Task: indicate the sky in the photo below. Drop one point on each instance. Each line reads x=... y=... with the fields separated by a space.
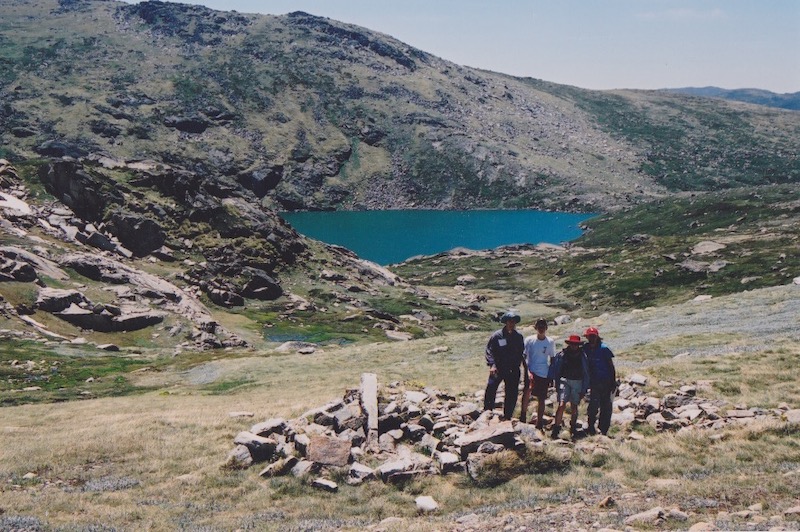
x=592 y=44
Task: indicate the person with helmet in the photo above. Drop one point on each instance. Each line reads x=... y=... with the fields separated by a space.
x=539 y=351
x=504 y=355
x=570 y=372
x=602 y=381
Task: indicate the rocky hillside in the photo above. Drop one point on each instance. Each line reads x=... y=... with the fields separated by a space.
x=303 y=112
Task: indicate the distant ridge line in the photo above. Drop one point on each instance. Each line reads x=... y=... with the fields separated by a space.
x=767 y=98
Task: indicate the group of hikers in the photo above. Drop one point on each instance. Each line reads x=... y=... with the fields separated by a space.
x=578 y=369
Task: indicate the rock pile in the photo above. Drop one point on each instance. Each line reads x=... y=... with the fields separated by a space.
x=402 y=434
x=682 y=409
x=406 y=433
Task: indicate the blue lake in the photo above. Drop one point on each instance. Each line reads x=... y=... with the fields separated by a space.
x=388 y=237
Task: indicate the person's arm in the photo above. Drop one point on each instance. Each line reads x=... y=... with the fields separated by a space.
x=611 y=365
x=489 y=354
x=586 y=378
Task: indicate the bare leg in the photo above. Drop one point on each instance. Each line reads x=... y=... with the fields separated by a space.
x=573 y=422
x=559 y=416
x=540 y=414
x=526 y=399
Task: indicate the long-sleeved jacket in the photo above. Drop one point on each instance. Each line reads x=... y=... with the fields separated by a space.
x=601 y=365
x=558 y=363
x=505 y=350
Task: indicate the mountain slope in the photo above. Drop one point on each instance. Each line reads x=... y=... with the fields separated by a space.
x=756 y=96
x=307 y=112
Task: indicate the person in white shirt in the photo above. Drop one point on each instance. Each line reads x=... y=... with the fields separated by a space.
x=539 y=350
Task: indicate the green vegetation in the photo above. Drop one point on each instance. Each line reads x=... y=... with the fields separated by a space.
x=689 y=144
x=32 y=373
x=631 y=259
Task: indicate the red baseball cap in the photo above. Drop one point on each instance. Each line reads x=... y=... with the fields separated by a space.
x=591 y=331
x=574 y=339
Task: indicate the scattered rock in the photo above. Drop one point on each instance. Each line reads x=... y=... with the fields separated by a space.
x=399 y=336
x=325 y=484
x=426 y=504
x=652 y=516
x=707 y=246
x=637 y=379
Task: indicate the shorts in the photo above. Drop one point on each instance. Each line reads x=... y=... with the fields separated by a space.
x=540 y=385
x=569 y=391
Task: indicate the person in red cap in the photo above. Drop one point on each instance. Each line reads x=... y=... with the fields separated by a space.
x=570 y=372
x=602 y=381
x=504 y=355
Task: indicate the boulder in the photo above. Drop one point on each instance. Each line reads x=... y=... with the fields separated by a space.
x=502 y=433
x=448 y=462
x=55 y=148
x=239 y=458
x=393 y=467
x=140 y=234
x=57 y=299
x=358 y=473
x=260 y=286
x=329 y=451
x=304 y=467
x=325 y=485
x=88 y=196
x=650 y=517
x=280 y=467
x=707 y=246
x=187 y=124
x=792 y=416
x=261 y=449
x=637 y=379
x=426 y=504
x=262 y=180
x=270 y=426
x=14 y=270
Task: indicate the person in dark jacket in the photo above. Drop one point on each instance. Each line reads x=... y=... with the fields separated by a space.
x=504 y=355
x=602 y=381
x=570 y=372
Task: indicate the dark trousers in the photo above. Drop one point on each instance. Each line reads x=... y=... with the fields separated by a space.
x=601 y=399
x=510 y=380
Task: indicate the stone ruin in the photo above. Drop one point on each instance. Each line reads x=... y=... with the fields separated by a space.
x=412 y=433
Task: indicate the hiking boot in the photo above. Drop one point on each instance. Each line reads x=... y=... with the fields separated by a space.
x=591 y=431
x=556 y=432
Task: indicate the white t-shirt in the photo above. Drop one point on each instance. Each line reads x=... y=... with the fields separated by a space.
x=538 y=354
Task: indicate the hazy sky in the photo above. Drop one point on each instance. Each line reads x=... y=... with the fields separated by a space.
x=595 y=44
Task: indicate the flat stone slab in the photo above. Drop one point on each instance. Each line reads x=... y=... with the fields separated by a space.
x=325 y=484
x=707 y=246
x=265 y=428
x=329 y=451
x=502 y=433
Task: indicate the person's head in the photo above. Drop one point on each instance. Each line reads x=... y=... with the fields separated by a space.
x=510 y=320
x=592 y=335
x=573 y=342
x=541 y=327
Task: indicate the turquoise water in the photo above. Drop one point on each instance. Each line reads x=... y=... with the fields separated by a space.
x=388 y=237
